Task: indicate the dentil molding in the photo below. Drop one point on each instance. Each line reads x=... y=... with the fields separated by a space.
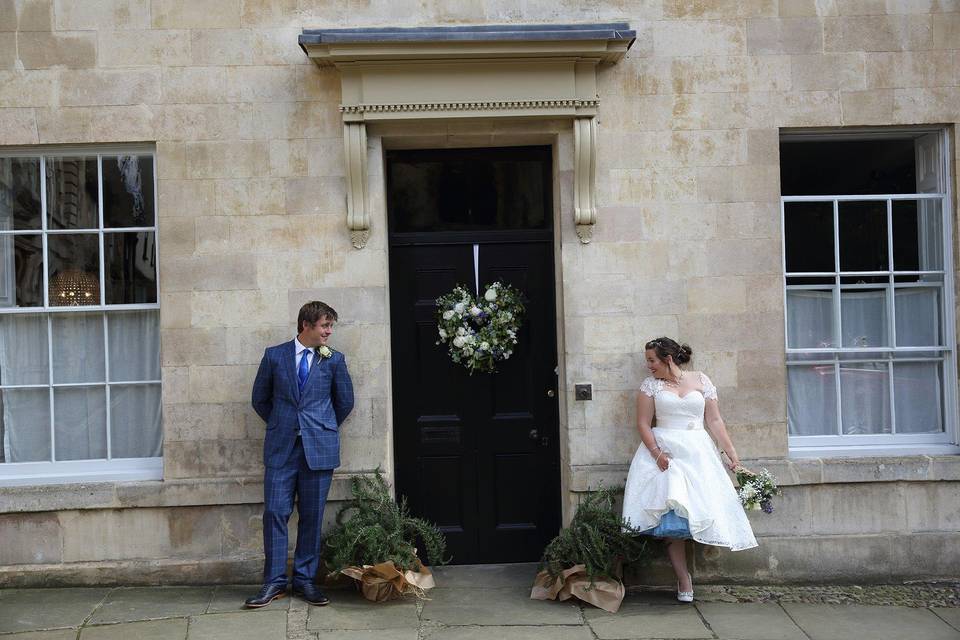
x=487 y=71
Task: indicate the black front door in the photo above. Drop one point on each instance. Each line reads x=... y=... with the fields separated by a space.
x=477 y=455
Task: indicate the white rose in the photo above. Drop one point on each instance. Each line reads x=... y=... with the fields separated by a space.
x=458 y=342
x=490 y=295
x=447 y=315
x=506 y=355
x=459 y=307
x=468 y=351
x=474 y=310
x=325 y=351
x=443 y=334
x=461 y=331
x=484 y=346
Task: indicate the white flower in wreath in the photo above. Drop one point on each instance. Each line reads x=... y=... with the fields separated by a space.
x=484 y=346
x=474 y=310
x=443 y=333
x=490 y=295
x=458 y=342
x=461 y=331
x=506 y=355
x=468 y=351
x=459 y=307
x=447 y=315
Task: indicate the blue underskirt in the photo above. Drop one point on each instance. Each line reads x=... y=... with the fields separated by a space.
x=670 y=526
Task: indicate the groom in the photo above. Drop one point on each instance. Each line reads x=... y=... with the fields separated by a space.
x=304 y=393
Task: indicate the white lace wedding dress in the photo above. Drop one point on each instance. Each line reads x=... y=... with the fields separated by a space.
x=695 y=485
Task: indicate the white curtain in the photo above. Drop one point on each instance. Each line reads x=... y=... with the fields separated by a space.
x=80 y=416
x=864 y=387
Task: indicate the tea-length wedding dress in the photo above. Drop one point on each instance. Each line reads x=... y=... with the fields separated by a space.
x=695 y=486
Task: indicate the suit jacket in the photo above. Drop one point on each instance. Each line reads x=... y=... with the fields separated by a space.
x=317 y=411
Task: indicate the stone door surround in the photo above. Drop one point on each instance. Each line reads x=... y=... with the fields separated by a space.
x=484 y=71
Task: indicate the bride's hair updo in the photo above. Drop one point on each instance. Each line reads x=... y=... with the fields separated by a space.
x=669 y=347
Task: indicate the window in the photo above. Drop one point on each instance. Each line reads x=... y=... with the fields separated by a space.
x=79 y=316
x=868 y=293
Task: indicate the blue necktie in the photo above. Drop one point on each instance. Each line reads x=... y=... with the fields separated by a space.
x=304 y=370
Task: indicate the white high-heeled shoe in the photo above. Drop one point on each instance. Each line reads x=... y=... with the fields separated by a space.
x=685 y=596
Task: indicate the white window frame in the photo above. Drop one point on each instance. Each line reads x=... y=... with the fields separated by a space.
x=880 y=444
x=107 y=469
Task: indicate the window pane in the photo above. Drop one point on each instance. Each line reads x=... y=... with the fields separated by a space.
x=809 y=319
x=74 y=269
x=808 y=234
x=134 y=345
x=128 y=191
x=811 y=400
x=21 y=271
x=131 y=267
x=863 y=236
x=19 y=194
x=918 y=397
x=917 y=235
x=25 y=425
x=865 y=398
x=80 y=423
x=77 y=347
x=863 y=318
x=135 y=421
x=847 y=167
x=23 y=350
x=72 y=193
x=918 y=317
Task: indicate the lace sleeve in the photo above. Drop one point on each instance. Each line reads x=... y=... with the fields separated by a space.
x=709 y=391
x=650 y=386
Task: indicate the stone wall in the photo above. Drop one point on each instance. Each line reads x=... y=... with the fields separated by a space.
x=252 y=224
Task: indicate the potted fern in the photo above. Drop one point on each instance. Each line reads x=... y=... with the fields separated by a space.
x=374 y=542
x=585 y=560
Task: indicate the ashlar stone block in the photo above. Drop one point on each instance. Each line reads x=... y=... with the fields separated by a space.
x=184 y=14
x=42 y=50
x=101 y=87
x=109 y=15
x=144 y=48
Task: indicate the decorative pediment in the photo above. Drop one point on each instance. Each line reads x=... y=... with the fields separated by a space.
x=491 y=71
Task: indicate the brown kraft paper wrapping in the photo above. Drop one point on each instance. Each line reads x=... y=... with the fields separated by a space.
x=605 y=593
x=382 y=582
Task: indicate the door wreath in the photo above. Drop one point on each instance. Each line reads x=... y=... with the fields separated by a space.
x=480 y=332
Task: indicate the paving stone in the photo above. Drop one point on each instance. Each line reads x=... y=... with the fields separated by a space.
x=174 y=629
x=230 y=598
x=149 y=603
x=766 y=621
x=637 y=621
x=239 y=626
x=31 y=609
x=952 y=616
x=509 y=633
x=504 y=606
x=59 y=634
x=841 y=622
x=486 y=575
x=367 y=634
x=349 y=610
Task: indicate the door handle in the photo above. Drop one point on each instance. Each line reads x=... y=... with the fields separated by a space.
x=534 y=434
x=551 y=393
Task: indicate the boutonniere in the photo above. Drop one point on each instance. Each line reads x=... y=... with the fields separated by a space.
x=324 y=352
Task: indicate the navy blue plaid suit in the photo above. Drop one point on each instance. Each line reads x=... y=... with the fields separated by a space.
x=298 y=465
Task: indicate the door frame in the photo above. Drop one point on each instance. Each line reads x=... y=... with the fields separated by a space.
x=426 y=134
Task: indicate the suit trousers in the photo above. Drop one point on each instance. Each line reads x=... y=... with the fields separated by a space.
x=280 y=486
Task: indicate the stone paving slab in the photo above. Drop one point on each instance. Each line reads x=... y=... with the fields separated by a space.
x=760 y=621
x=509 y=633
x=172 y=629
x=638 y=621
x=239 y=626
x=128 y=604
x=349 y=610
x=842 y=622
x=60 y=634
x=369 y=634
x=495 y=607
x=952 y=616
x=35 y=609
x=230 y=598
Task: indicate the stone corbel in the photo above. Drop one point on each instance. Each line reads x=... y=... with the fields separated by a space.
x=585 y=177
x=355 y=152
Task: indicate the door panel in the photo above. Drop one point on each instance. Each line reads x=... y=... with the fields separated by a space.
x=477 y=454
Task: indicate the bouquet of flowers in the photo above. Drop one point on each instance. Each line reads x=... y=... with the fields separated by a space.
x=480 y=333
x=756 y=489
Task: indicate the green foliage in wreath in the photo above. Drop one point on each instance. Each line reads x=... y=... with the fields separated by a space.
x=379 y=529
x=479 y=333
x=597 y=538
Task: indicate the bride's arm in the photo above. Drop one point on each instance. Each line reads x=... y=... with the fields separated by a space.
x=718 y=430
x=645 y=411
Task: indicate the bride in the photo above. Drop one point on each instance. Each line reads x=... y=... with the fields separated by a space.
x=677 y=487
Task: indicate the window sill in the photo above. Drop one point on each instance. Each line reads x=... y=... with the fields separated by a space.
x=148 y=494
